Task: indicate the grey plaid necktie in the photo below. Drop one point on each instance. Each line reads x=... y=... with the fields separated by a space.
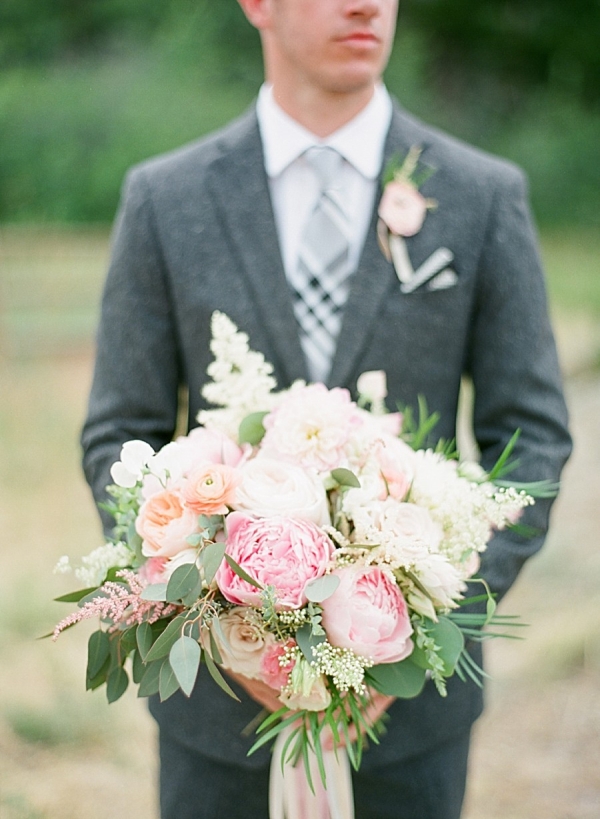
x=320 y=281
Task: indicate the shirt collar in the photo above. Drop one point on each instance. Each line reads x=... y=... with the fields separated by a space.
x=360 y=141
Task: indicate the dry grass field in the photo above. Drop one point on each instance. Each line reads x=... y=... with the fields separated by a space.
x=65 y=754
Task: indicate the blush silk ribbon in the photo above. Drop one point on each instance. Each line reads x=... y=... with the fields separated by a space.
x=290 y=796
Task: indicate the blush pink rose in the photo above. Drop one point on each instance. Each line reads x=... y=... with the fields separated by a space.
x=402 y=208
x=210 y=489
x=282 y=552
x=164 y=523
x=368 y=614
x=153 y=570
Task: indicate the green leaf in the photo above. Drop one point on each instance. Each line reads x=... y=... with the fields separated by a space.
x=404 y=679
x=150 y=681
x=214 y=648
x=251 y=429
x=344 y=477
x=323 y=587
x=144 y=639
x=170 y=635
x=450 y=638
x=138 y=669
x=127 y=640
x=218 y=677
x=183 y=580
x=167 y=681
x=184 y=659
x=76 y=596
x=98 y=652
x=116 y=684
x=211 y=557
x=156 y=592
x=93 y=595
x=502 y=467
x=237 y=569
x=306 y=639
x=91 y=683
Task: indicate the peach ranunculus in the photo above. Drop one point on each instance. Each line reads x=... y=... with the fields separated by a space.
x=210 y=489
x=368 y=614
x=402 y=208
x=282 y=552
x=245 y=646
x=164 y=523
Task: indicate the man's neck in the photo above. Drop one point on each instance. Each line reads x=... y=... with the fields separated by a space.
x=321 y=113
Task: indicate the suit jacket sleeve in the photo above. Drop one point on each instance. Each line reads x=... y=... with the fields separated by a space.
x=515 y=372
x=137 y=373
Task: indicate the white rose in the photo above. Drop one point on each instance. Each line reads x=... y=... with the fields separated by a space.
x=246 y=643
x=441 y=580
x=269 y=488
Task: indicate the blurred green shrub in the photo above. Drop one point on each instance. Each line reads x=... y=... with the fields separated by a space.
x=121 y=80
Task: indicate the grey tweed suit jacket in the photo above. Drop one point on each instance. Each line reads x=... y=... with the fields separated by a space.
x=195 y=233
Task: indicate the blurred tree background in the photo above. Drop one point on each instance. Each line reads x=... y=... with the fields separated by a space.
x=88 y=87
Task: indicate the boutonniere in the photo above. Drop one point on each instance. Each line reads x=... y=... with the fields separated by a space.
x=402 y=210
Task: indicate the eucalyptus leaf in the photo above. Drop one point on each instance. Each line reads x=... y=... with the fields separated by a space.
x=167 y=681
x=211 y=557
x=98 y=652
x=218 y=677
x=183 y=580
x=156 y=592
x=237 y=569
x=451 y=640
x=170 y=635
x=184 y=659
x=251 y=429
x=144 y=639
x=138 y=669
x=116 y=684
x=344 y=477
x=150 y=680
x=91 y=683
x=306 y=640
x=323 y=587
x=403 y=679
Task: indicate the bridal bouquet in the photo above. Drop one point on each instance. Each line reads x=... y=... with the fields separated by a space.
x=294 y=537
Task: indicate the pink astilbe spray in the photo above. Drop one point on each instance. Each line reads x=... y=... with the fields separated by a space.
x=122 y=604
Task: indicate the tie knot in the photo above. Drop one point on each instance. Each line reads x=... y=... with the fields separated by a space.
x=327 y=163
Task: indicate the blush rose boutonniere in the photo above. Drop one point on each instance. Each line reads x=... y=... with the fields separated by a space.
x=402 y=210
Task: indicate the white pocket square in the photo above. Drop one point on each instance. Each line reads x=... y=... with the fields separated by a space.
x=447 y=278
x=436 y=264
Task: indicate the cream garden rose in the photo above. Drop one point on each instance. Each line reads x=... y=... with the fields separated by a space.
x=269 y=487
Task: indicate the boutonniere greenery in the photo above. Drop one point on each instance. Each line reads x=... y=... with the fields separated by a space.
x=402 y=209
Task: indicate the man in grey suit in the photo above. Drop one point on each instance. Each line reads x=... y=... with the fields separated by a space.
x=218 y=225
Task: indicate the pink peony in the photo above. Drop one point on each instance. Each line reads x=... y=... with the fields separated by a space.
x=402 y=208
x=282 y=552
x=368 y=614
x=164 y=523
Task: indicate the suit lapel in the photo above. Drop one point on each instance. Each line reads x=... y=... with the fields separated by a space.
x=375 y=276
x=241 y=189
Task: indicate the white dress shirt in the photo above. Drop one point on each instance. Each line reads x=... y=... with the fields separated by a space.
x=293 y=183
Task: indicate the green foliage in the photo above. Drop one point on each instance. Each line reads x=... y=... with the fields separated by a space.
x=252 y=430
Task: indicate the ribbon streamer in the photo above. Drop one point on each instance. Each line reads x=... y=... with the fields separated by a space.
x=290 y=796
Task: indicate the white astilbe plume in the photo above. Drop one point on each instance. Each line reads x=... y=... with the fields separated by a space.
x=241 y=378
